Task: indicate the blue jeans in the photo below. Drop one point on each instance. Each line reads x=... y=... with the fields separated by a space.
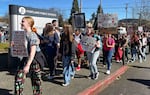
x=108 y=56
x=68 y=69
x=92 y=57
x=133 y=53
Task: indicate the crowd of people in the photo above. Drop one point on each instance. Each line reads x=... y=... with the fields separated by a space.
x=66 y=45
x=3 y=35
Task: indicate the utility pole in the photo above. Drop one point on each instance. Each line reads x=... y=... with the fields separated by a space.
x=80 y=6
x=126 y=13
x=100 y=2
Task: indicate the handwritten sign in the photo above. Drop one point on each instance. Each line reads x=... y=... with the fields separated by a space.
x=18 y=48
x=107 y=20
x=88 y=43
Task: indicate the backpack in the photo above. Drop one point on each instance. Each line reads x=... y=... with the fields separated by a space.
x=99 y=38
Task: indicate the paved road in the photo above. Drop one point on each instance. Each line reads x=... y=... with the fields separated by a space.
x=136 y=81
x=78 y=84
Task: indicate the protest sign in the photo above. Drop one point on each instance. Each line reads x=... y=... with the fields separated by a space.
x=107 y=23
x=88 y=43
x=18 y=49
x=79 y=20
x=107 y=20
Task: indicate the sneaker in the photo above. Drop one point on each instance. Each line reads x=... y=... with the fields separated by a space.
x=108 y=72
x=78 y=68
x=128 y=61
x=120 y=61
x=50 y=77
x=104 y=66
x=96 y=76
x=65 y=84
x=117 y=61
x=141 y=61
x=90 y=76
x=72 y=76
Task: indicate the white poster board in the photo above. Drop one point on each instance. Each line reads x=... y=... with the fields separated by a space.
x=18 y=49
x=88 y=43
x=107 y=20
x=140 y=28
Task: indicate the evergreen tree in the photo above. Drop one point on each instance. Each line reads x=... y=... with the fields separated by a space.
x=99 y=10
x=75 y=9
x=92 y=17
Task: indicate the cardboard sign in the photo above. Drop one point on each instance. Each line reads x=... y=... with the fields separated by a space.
x=18 y=49
x=107 y=20
x=140 y=28
x=88 y=43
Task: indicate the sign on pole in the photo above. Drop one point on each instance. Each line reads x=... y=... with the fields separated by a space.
x=79 y=20
x=107 y=20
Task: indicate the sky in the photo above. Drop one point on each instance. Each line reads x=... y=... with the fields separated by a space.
x=88 y=6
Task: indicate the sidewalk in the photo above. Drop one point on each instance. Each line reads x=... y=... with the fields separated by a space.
x=80 y=85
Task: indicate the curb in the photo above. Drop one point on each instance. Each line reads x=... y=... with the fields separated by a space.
x=102 y=84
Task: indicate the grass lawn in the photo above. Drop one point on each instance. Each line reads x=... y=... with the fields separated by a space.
x=4 y=46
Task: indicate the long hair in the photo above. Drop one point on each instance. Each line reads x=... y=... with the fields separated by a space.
x=49 y=30
x=30 y=21
x=68 y=32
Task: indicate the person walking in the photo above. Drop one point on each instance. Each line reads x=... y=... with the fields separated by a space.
x=93 y=56
x=33 y=62
x=109 y=44
x=79 y=50
x=67 y=50
x=52 y=43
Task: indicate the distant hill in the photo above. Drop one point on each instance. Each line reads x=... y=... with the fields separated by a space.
x=133 y=21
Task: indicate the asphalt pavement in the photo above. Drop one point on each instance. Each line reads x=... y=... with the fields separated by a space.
x=80 y=85
x=135 y=81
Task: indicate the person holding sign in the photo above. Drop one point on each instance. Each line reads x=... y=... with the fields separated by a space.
x=33 y=62
x=94 y=53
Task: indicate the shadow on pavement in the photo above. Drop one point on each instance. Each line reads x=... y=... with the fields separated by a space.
x=3 y=61
x=142 y=81
x=141 y=67
x=7 y=64
x=5 y=92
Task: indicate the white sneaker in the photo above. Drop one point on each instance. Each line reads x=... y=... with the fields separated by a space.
x=117 y=61
x=72 y=77
x=108 y=72
x=65 y=84
x=141 y=61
